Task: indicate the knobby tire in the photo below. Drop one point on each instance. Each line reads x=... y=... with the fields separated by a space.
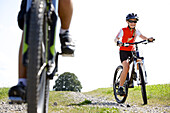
x=143 y=87
x=37 y=86
x=116 y=81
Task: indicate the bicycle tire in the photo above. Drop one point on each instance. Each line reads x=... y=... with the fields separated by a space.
x=36 y=85
x=143 y=88
x=116 y=81
x=46 y=99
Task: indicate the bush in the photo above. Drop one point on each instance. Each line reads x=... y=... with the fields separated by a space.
x=67 y=82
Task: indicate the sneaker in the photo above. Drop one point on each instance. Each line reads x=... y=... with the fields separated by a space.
x=134 y=76
x=17 y=93
x=120 y=91
x=131 y=85
x=67 y=45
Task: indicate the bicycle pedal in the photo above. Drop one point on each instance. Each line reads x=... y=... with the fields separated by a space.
x=67 y=55
x=17 y=100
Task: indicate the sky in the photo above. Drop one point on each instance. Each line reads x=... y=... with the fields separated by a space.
x=95 y=24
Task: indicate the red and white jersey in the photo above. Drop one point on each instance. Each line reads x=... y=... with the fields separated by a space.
x=126 y=36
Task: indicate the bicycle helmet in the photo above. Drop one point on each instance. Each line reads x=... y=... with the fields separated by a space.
x=132 y=16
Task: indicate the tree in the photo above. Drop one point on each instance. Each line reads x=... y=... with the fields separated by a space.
x=67 y=82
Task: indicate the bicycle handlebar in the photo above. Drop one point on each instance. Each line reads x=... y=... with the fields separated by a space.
x=143 y=41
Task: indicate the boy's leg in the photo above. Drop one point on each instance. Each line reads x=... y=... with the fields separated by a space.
x=124 y=72
x=123 y=76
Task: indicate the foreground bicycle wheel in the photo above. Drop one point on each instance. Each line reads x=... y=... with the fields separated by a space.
x=116 y=81
x=142 y=83
x=36 y=73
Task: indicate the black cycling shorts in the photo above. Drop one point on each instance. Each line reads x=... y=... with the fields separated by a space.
x=124 y=55
x=21 y=14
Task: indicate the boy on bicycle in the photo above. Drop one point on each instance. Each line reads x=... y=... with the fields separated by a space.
x=65 y=10
x=127 y=35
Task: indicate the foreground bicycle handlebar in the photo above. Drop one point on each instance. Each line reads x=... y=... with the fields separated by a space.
x=135 y=43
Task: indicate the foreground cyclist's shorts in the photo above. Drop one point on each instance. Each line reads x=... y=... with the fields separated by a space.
x=25 y=6
x=21 y=14
x=124 y=55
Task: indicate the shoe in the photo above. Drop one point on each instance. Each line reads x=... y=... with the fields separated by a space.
x=131 y=85
x=120 y=91
x=67 y=45
x=17 y=93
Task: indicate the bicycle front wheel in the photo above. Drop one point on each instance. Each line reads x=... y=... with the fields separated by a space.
x=116 y=81
x=142 y=83
x=36 y=72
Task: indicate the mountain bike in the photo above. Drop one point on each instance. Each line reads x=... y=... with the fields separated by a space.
x=138 y=73
x=38 y=53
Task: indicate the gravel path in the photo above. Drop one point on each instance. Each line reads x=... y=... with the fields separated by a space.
x=125 y=108
x=5 y=107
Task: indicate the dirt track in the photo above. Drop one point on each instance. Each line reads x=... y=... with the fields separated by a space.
x=5 y=107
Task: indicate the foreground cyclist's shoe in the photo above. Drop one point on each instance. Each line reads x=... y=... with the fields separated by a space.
x=67 y=45
x=120 y=91
x=17 y=93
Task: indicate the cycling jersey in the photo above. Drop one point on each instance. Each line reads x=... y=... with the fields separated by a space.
x=128 y=36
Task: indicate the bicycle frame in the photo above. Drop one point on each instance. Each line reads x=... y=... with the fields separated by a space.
x=136 y=61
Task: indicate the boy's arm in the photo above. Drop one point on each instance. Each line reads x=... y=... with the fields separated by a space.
x=116 y=40
x=145 y=38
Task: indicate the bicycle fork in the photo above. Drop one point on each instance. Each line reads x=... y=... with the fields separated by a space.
x=136 y=68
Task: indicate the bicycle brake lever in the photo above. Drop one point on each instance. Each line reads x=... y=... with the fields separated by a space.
x=146 y=42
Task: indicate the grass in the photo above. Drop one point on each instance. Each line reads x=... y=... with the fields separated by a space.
x=156 y=94
x=3 y=93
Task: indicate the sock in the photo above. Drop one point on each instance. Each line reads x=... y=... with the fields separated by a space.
x=62 y=31
x=120 y=86
x=23 y=80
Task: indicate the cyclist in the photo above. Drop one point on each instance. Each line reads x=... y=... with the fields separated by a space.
x=127 y=35
x=65 y=10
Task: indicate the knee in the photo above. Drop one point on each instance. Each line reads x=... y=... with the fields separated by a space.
x=68 y=2
x=125 y=65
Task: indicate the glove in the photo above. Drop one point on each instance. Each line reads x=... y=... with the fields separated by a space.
x=119 y=43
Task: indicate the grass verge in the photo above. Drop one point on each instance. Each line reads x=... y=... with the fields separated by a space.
x=3 y=93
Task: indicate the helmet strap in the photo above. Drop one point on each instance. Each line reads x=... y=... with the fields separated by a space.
x=130 y=28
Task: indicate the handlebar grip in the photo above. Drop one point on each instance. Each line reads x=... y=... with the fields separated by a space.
x=152 y=40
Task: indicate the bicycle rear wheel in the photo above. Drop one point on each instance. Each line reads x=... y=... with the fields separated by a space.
x=116 y=81
x=143 y=88
x=36 y=83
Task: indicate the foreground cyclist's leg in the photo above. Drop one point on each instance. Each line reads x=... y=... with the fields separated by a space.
x=123 y=77
x=65 y=11
x=18 y=92
x=22 y=68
